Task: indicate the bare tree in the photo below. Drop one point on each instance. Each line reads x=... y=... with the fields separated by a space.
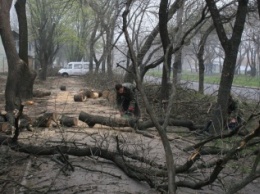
x=20 y=78
x=230 y=46
x=46 y=27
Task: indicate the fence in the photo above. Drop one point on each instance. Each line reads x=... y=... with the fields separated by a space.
x=3 y=64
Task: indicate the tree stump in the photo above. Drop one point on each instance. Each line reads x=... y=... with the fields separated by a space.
x=63 y=88
x=68 y=121
x=45 y=120
x=79 y=97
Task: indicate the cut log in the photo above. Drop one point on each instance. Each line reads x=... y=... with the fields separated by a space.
x=109 y=95
x=91 y=120
x=79 y=97
x=85 y=92
x=39 y=93
x=68 y=121
x=25 y=122
x=3 y=112
x=94 y=95
x=6 y=128
x=45 y=120
x=105 y=93
x=63 y=88
x=90 y=93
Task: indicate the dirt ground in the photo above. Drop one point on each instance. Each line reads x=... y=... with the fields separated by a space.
x=23 y=173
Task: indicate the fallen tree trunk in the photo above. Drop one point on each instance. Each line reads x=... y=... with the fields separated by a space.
x=91 y=120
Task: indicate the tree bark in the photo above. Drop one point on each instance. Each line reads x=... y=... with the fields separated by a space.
x=20 y=79
x=39 y=93
x=201 y=59
x=230 y=47
x=91 y=120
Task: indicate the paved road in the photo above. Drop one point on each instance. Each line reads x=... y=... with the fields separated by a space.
x=245 y=93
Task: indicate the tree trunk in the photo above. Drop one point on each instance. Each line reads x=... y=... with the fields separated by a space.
x=13 y=60
x=231 y=50
x=201 y=59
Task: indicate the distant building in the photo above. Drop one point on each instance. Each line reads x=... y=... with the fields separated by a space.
x=3 y=60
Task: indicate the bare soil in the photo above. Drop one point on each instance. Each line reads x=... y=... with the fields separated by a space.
x=23 y=173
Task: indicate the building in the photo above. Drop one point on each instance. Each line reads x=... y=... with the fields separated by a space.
x=3 y=60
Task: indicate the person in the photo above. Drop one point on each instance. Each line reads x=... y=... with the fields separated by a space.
x=234 y=113
x=126 y=100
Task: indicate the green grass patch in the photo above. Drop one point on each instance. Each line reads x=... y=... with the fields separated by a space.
x=240 y=80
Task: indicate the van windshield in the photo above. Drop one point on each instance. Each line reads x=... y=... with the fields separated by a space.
x=68 y=66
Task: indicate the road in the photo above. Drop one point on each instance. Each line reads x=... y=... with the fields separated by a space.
x=245 y=93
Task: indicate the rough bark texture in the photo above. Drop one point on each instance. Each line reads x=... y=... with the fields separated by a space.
x=91 y=120
x=201 y=59
x=230 y=47
x=20 y=79
x=40 y=93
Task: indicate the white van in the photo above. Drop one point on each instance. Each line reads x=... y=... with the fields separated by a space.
x=74 y=68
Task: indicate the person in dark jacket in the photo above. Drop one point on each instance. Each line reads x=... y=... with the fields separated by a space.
x=126 y=100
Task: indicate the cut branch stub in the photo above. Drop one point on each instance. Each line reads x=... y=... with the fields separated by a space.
x=68 y=121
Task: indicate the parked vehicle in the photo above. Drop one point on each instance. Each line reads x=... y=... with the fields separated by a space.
x=74 y=68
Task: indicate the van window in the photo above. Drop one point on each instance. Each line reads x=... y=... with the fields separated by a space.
x=69 y=66
x=77 y=66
